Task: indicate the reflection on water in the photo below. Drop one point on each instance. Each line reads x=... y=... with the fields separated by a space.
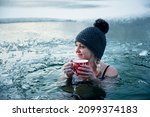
x=32 y=55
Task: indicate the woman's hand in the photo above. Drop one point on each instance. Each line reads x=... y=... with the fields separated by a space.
x=68 y=69
x=86 y=73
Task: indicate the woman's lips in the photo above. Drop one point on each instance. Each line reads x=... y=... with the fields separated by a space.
x=79 y=55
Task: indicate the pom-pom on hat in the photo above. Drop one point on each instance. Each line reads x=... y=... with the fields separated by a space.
x=94 y=37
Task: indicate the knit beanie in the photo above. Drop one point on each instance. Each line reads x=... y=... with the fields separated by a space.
x=94 y=37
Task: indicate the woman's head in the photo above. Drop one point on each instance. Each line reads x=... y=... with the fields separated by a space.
x=94 y=37
x=83 y=52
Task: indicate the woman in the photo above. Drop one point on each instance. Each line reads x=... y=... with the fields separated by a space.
x=90 y=45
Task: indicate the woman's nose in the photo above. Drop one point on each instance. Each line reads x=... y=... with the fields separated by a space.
x=77 y=50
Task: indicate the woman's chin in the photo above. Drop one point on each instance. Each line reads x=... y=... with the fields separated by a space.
x=80 y=57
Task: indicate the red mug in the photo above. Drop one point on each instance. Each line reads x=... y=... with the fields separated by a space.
x=78 y=63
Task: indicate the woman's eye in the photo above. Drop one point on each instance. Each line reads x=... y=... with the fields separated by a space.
x=82 y=46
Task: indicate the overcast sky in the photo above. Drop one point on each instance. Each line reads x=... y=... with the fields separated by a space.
x=73 y=9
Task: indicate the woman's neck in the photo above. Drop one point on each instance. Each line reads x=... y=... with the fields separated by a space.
x=95 y=67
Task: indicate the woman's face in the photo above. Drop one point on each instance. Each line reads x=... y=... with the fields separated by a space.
x=83 y=52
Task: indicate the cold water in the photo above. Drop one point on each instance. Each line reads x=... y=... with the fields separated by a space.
x=34 y=49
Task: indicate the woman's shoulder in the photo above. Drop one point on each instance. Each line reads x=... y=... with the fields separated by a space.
x=110 y=71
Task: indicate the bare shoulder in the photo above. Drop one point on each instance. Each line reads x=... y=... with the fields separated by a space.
x=111 y=70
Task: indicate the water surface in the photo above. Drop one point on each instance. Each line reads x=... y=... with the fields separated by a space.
x=34 y=49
